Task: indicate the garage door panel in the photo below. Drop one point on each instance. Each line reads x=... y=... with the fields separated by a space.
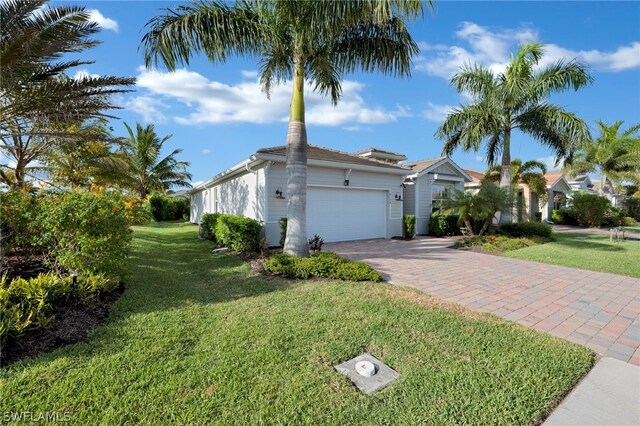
x=338 y=214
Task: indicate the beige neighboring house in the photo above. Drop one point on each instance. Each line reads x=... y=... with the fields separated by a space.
x=558 y=190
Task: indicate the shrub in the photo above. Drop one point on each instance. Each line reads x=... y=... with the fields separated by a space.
x=19 y=211
x=591 y=209
x=567 y=216
x=238 y=233
x=408 y=226
x=526 y=229
x=321 y=265
x=612 y=218
x=537 y=216
x=500 y=243
x=631 y=208
x=628 y=221
x=168 y=208
x=444 y=225
x=30 y=304
x=283 y=230
x=208 y=224
x=86 y=232
x=315 y=244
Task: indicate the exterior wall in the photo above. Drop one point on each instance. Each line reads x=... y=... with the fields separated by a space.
x=409 y=199
x=424 y=203
x=276 y=177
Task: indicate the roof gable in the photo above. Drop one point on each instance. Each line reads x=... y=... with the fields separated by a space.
x=429 y=165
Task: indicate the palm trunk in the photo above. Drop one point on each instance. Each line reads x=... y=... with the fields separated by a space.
x=296 y=243
x=505 y=173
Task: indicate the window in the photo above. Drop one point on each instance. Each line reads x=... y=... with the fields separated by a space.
x=439 y=193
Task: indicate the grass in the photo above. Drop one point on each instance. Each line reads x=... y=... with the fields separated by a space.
x=635 y=228
x=198 y=338
x=586 y=251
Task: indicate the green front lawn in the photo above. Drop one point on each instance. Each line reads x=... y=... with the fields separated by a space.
x=586 y=251
x=198 y=338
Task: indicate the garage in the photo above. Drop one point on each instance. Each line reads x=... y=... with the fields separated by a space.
x=344 y=214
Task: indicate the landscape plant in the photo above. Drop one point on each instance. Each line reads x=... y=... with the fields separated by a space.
x=480 y=208
x=409 y=226
x=238 y=233
x=445 y=225
x=321 y=265
x=310 y=44
x=164 y=207
x=516 y=98
x=591 y=209
x=526 y=229
x=208 y=223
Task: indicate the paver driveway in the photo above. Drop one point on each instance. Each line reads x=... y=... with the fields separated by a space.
x=599 y=310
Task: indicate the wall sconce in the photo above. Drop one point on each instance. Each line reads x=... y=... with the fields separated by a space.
x=346 y=182
x=279 y=195
x=398 y=196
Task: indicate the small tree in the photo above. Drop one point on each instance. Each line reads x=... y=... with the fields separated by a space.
x=481 y=207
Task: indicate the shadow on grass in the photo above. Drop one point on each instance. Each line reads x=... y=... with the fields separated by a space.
x=588 y=242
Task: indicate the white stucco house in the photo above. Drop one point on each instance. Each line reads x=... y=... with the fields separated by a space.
x=350 y=196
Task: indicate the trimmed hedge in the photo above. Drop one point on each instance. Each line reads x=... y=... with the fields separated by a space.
x=408 y=226
x=208 y=224
x=444 y=225
x=565 y=217
x=526 y=229
x=628 y=221
x=631 y=207
x=238 y=233
x=321 y=265
x=168 y=208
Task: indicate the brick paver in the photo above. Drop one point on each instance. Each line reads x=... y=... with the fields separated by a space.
x=599 y=310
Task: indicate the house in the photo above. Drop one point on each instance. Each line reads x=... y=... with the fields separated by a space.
x=430 y=183
x=350 y=196
x=558 y=189
x=581 y=183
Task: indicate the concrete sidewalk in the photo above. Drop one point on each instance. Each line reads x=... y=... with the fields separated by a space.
x=608 y=395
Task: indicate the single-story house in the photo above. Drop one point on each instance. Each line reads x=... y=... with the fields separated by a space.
x=350 y=196
x=431 y=182
x=581 y=183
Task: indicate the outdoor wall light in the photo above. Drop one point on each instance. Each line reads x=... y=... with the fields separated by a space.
x=279 y=195
x=346 y=182
x=398 y=196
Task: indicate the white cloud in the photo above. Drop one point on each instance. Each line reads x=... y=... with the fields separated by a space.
x=83 y=73
x=357 y=128
x=249 y=74
x=480 y=158
x=492 y=48
x=437 y=113
x=148 y=107
x=103 y=21
x=213 y=102
x=206 y=151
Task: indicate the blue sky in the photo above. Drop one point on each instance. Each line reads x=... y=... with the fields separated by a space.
x=218 y=115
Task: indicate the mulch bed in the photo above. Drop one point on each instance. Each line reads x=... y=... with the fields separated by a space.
x=71 y=325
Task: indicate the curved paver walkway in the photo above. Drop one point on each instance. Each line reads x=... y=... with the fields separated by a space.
x=599 y=310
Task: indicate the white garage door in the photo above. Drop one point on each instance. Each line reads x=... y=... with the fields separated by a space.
x=338 y=214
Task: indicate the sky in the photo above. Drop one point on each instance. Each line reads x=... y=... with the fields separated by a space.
x=218 y=114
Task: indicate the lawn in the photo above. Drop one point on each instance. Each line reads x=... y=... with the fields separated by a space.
x=586 y=251
x=198 y=338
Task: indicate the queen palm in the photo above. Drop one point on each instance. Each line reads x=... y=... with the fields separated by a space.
x=515 y=99
x=303 y=41
x=612 y=155
x=146 y=171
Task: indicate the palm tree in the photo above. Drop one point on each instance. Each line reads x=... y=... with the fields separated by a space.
x=146 y=172
x=305 y=41
x=531 y=173
x=36 y=95
x=612 y=155
x=481 y=207
x=515 y=99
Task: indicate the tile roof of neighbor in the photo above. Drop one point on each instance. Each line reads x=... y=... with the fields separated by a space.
x=552 y=178
x=320 y=153
x=418 y=166
x=476 y=176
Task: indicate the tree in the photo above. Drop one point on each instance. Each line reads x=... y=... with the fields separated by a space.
x=145 y=171
x=515 y=99
x=36 y=95
x=612 y=155
x=313 y=42
x=481 y=207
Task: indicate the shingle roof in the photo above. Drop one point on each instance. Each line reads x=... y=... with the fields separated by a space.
x=476 y=176
x=384 y=151
x=320 y=153
x=418 y=166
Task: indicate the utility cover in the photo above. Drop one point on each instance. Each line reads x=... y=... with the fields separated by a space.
x=383 y=376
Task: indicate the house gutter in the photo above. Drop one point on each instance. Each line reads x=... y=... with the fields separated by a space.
x=332 y=164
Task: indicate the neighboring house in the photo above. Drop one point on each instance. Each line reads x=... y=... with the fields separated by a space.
x=558 y=189
x=581 y=183
x=476 y=180
x=349 y=196
x=430 y=183
x=183 y=193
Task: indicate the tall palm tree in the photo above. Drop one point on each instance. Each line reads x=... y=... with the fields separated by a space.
x=530 y=173
x=147 y=171
x=612 y=155
x=515 y=99
x=303 y=41
x=36 y=95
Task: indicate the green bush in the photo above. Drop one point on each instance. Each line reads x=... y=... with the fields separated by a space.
x=567 y=216
x=612 y=218
x=444 y=225
x=315 y=244
x=19 y=212
x=500 y=243
x=591 y=209
x=238 y=233
x=168 y=208
x=526 y=229
x=31 y=304
x=628 y=221
x=408 y=226
x=321 y=265
x=537 y=216
x=283 y=230
x=631 y=208
x=208 y=223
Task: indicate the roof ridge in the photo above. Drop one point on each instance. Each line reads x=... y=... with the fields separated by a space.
x=424 y=160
